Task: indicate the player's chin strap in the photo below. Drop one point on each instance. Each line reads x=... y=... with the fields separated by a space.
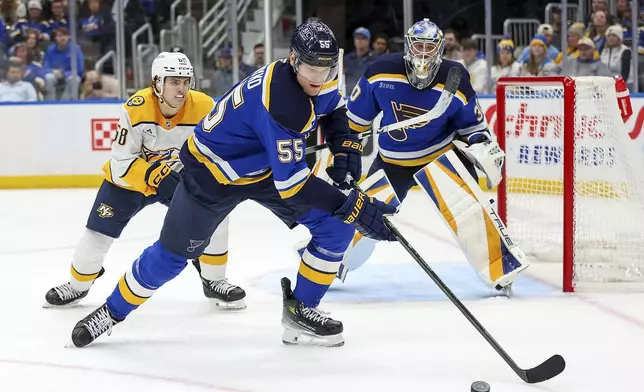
x=451 y=85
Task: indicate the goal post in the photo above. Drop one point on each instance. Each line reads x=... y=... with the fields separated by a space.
x=573 y=184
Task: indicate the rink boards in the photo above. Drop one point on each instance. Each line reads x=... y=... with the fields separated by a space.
x=64 y=144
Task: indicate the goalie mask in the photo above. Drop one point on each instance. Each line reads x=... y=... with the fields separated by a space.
x=168 y=64
x=424 y=43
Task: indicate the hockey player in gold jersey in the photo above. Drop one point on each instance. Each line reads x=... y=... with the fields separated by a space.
x=144 y=169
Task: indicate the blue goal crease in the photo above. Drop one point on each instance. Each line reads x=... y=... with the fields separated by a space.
x=408 y=283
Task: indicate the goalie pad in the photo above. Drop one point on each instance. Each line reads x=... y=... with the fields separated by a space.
x=472 y=219
x=376 y=185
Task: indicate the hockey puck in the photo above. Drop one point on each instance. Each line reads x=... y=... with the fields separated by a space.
x=480 y=386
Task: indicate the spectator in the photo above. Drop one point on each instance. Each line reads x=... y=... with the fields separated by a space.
x=596 y=5
x=538 y=64
x=477 y=67
x=34 y=21
x=624 y=14
x=356 y=62
x=258 y=55
x=616 y=55
x=33 y=71
x=380 y=44
x=222 y=79
x=557 y=39
x=33 y=46
x=597 y=29
x=244 y=69
x=9 y=11
x=58 y=17
x=505 y=65
x=97 y=86
x=585 y=64
x=14 y=89
x=452 y=47
x=98 y=26
x=552 y=52
x=575 y=34
x=3 y=36
x=58 y=65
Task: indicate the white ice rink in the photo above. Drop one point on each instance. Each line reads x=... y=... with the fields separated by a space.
x=401 y=333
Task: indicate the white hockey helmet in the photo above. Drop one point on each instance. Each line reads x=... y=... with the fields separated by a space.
x=168 y=64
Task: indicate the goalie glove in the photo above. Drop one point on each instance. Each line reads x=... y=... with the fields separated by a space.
x=486 y=155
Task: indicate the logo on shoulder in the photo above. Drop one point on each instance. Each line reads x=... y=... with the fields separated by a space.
x=136 y=100
x=105 y=211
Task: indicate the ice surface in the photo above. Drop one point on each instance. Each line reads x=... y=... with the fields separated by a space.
x=401 y=333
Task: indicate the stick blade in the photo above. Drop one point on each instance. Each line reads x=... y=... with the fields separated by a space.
x=453 y=79
x=547 y=370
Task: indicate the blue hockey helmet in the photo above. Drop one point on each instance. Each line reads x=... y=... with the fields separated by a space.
x=314 y=44
x=424 y=44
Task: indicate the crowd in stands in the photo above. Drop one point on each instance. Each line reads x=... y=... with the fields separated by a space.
x=35 y=44
x=598 y=46
x=36 y=52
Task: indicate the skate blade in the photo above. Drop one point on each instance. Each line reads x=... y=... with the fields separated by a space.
x=47 y=305
x=230 y=306
x=70 y=344
x=295 y=337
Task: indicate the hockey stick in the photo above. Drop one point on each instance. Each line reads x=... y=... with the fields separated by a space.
x=451 y=85
x=545 y=371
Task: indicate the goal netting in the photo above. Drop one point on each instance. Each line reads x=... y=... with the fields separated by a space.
x=574 y=188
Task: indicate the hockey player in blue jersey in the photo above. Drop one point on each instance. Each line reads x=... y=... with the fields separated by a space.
x=252 y=146
x=407 y=85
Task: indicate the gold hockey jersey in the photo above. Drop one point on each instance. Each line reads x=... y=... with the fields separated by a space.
x=144 y=136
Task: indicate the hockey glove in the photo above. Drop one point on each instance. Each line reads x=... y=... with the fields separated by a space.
x=159 y=176
x=366 y=215
x=347 y=160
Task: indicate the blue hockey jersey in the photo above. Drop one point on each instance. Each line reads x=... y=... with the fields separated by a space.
x=259 y=128
x=385 y=88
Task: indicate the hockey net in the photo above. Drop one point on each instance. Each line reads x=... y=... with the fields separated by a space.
x=574 y=184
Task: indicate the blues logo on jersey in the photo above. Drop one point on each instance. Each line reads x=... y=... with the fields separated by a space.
x=385 y=88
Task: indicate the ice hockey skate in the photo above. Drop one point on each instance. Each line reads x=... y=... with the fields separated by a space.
x=65 y=294
x=307 y=326
x=227 y=296
x=92 y=326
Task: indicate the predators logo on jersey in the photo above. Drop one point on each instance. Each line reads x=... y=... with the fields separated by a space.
x=170 y=155
x=105 y=211
x=136 y=100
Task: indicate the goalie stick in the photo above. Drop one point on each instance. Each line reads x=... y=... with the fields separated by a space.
x=552 y=367
x=451 y=85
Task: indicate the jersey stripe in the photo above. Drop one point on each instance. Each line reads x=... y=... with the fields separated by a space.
x=268 y=77
x=329 y=87
x=291 y=186
x=473 y=129
x=212 y=164
x=388 y=78
x=459 y=95
x=417 y=158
